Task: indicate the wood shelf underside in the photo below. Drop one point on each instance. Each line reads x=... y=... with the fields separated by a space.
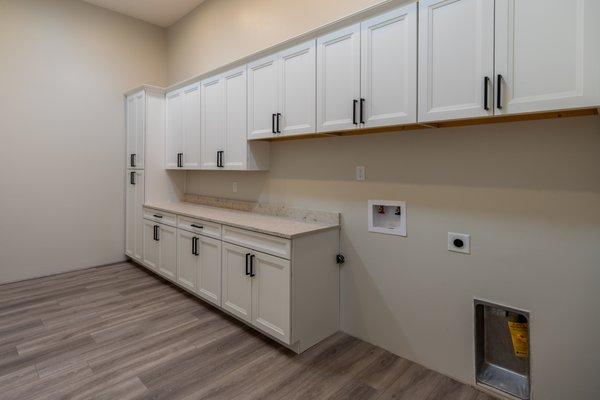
x=445 y=124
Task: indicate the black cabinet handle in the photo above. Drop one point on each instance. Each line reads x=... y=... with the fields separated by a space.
x=278 y=118
x=486 y=84
x=132 y=177
x=247 y=264
x=354 y=112
x=156 y=231
x=180 y=160
x=157 y=216
x=220 y=158
x=195 y=241
x=197 y=226
x=273 y=123
x=499 y=93
x=132 y=160
x=252 y=274
x=362 y=103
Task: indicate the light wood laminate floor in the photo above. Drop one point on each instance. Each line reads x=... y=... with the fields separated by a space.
x=119 y=332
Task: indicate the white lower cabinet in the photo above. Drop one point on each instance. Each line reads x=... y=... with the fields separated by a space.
x=134 y=214
x=249 y=275
x=237 y=282
x=160 y=248
x=271 y=295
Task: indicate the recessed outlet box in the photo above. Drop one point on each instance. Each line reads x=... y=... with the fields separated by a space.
x=459 y=242
x=387 y=216
x=360 y=173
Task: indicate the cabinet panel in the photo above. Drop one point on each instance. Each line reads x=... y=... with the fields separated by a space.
x=547 y=55
x=209 y=272
x=456 y=54
x=236 y=284
x=136 y=116
x=151 y=246
x=235 y=154
x=174 y=129
x=130 y=217
x=338 y=79
x=271 y=294
x=262 y=97
x=167 y=264
x=212 y=130
x=297 y=89
x=191 y=126
x=389 y=68
x=187 y=261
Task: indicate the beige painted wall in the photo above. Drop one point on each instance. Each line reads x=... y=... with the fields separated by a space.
x=64 y=66
x=528 y=193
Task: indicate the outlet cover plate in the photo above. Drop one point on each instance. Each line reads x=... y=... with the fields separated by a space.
x=464 y=237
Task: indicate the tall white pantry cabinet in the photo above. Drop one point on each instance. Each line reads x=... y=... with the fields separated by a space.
x=143 y=113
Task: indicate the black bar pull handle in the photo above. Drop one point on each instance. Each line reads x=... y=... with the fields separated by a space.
x=486 y=84
x=196 y=226
x=278 y=119
x=156 y=237
x=362 y=103
x=157 y=216
x=354 y=111
x=247 y=264
x=132 y=177
x=252 y=274
x=273 y=123
x=194 y=246
x=499 y=93
x=131 y=160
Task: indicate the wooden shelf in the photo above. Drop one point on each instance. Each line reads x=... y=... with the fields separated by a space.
x=445 y=124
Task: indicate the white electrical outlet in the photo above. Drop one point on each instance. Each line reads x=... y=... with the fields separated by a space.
x=459 y=242
x=360 y=173
x=234 y=188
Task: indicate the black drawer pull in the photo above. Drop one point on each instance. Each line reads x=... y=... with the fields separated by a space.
x=157 y=216
x=197 y=226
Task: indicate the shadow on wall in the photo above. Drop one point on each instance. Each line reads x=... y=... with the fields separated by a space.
x=539 y=155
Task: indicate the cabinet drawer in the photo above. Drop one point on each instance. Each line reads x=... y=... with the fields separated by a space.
x=274 y=245
x=200 y=227
x=160 y=216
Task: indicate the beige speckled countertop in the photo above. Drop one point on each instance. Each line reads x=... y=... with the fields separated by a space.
x=271 y=225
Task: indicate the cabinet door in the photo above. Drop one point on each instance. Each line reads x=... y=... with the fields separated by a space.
x=262 y=97
x=235 y=155
x=151 y=245
x=167 y=265
x=138 y=249
x=271 y=291
x=187 y=260
x=174 y=128
x=236 y=284
x=297 y=89
x=456 y=55
x=338 y=80
x=389 y=68
x=547 y=55
x=208 y=280
x=136 y=118
x=130 y=217
x=191 y=126
x=211 y=119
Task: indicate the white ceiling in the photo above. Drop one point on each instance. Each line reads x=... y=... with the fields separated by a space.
x=158 y=12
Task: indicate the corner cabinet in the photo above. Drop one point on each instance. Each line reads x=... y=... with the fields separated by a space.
x=367 y=72
x=290 y=296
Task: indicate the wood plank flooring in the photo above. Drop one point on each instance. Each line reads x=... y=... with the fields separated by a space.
x=119 y=332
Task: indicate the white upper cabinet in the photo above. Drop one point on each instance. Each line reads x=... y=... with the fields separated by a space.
x=183 y=128
x=456 y=59
x=235 y=153
x=191 y=126
x=262 y=97
x=389 y=68
x=338 y=80
x=547 y=55
x=281 y=93
x=296 y=113
x=212 y=121
x=174 y=143
x=136 y=119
